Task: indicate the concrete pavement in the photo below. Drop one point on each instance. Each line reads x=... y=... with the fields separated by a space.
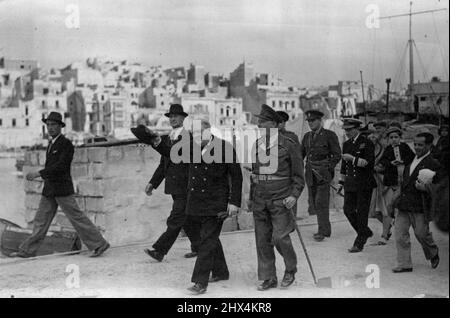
x=128 y=272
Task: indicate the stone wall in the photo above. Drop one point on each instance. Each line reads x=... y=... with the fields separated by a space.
x=109 y=187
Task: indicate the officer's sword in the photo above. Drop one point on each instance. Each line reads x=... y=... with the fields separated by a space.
x=338 y=191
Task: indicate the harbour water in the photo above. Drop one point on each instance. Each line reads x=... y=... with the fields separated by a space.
x=12 y=195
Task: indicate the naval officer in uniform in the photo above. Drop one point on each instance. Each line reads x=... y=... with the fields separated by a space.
x=358 y=158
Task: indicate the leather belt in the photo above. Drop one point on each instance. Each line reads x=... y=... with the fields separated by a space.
x=267 y=177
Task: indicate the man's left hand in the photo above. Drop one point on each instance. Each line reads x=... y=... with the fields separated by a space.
x=289 y=202
x=347 y=157
x=32 y=175
x=232 y=209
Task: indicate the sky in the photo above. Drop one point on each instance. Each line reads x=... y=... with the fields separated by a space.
x=305 y=42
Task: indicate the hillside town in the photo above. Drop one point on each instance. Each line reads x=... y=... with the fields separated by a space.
x=104 y=98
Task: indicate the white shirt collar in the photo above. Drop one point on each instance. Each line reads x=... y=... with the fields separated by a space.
x=175 y=133
x=52 y=140
x=416 y=162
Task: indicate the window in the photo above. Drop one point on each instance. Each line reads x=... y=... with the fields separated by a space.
x=26 y=110
x=162 y=103
x=14 y=122
x=293 y=104
x=43 y=103
x=57 y=104
x=22 y=67
x=281 y=104
x=27 y=122
x=221 y=111
x=234 y=122
x=423 y=98
x=228 y=111
x=234 y=111
x=1 y=122
x=45 y=91
x=273 y=104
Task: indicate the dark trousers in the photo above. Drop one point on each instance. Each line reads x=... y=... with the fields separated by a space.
x=356 y=209
x=48 y=206
x=319 y=204
x=273 y=224
x=176 y=221
x=210 y=259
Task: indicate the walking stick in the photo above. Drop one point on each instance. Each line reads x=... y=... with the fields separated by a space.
x=303 y=246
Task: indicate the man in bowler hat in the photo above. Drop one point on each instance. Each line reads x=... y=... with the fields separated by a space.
x=176 y=176
x=58 y=191
x=321 y=152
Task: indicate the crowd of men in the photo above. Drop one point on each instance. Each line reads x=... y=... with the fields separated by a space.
x=381 y=176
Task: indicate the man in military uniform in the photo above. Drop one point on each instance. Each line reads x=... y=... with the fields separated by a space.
x=358 y=157
x=282 y=126
x=274 y=192
x=321 y=151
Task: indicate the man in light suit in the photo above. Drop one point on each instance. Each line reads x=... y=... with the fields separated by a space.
x=414 y=205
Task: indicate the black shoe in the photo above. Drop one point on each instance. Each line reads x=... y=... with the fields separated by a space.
x=319 y=237
x=267 y=284
x=355 y=249
x=190 y=255
x=402 y=270
x=100 y=250
x=435 y=261
x=20 y=254
x=197 y=289
x=154 y=254
x=214 y=279
x=288 y=279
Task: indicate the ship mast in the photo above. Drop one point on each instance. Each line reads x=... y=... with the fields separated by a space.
x=411 y=44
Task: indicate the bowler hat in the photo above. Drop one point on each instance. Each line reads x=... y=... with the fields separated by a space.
x=269 y=114
x=54 y=116
x=176 y=109
x=144 y=134
x=351 y=123
x=283 y=115
x=313 y=114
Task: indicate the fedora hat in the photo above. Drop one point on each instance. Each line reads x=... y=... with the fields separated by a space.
x=176 y=109
x=54 y=116
x=144 y=134
x=269 y=114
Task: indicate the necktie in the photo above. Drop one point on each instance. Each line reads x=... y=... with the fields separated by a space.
x=49 y=146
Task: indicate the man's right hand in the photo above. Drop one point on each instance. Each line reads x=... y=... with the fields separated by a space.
x=149 y=189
